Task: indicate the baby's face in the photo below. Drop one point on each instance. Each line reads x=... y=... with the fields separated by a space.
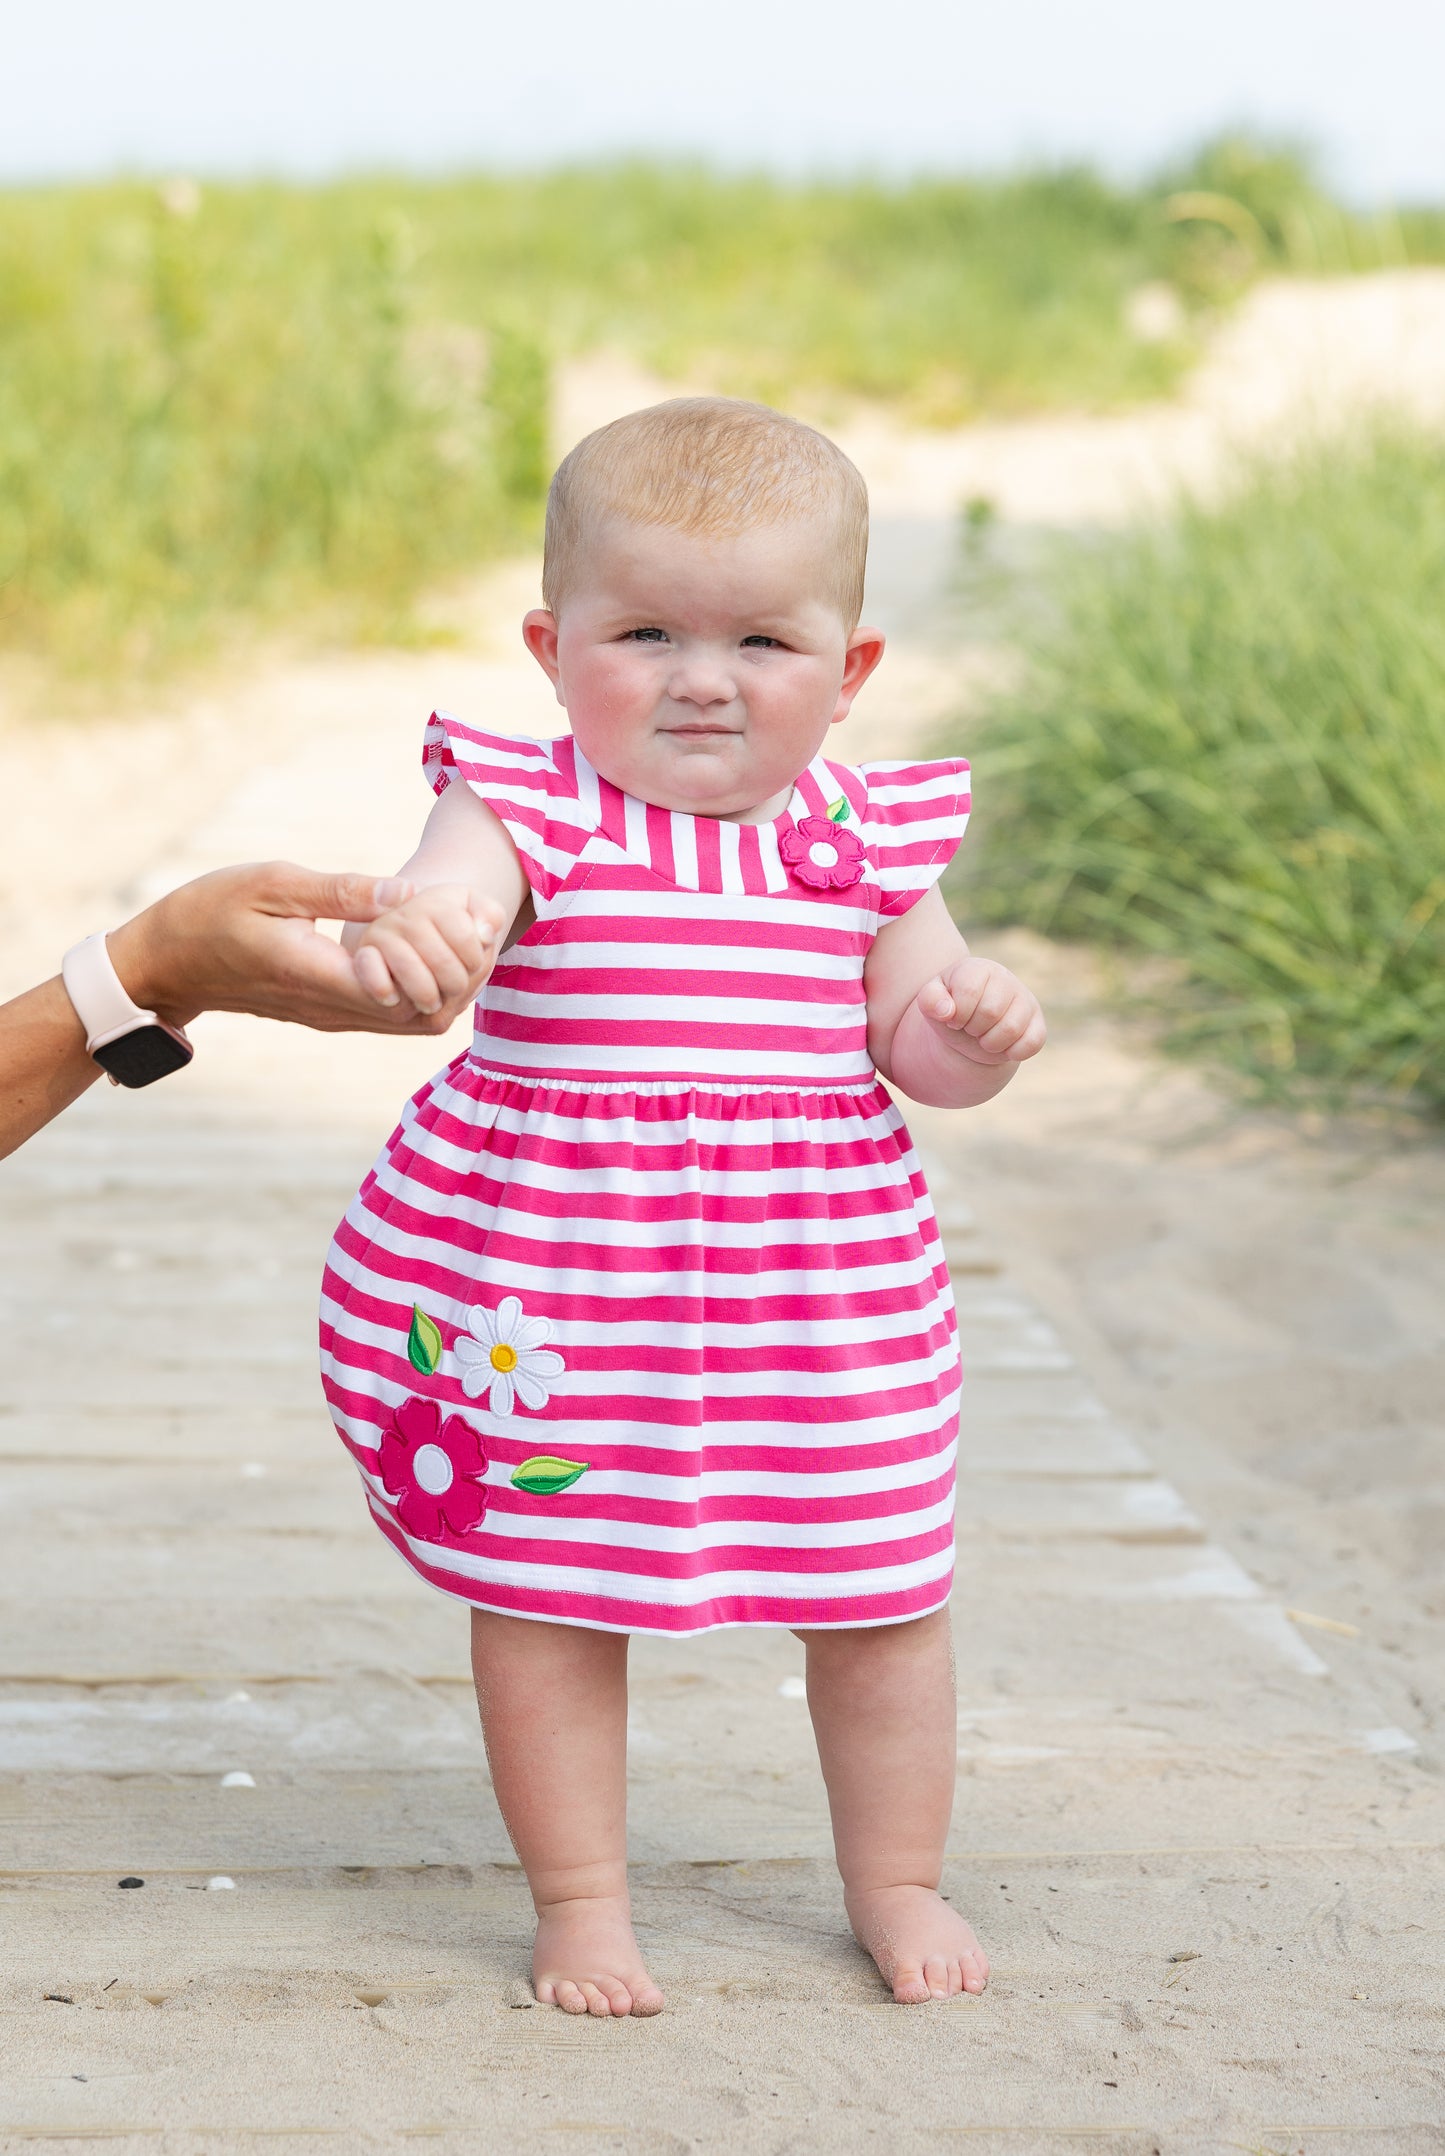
x=703 y=674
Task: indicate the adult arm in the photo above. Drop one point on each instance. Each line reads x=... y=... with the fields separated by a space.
x=241 y=939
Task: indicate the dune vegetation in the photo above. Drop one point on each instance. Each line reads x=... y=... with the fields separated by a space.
x=1228 y=753
x=229 y=404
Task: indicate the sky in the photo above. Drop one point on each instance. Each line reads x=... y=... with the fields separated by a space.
x=308 y=87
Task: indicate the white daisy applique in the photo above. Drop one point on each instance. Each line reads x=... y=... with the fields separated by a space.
x=502 y=1354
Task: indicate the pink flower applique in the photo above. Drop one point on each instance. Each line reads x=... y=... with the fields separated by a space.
x=432 y=1470
x=822 y=853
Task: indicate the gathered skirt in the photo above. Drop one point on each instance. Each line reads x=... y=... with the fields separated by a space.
x=652 y=1358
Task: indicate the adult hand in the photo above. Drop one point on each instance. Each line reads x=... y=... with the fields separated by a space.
x=241 y=939
x=245 y=939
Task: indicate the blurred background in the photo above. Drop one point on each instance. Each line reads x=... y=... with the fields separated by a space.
x=295 y=313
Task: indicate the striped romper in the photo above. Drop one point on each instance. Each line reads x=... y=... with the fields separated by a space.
x=641 y=1320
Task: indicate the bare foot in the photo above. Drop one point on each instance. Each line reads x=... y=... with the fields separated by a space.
x=922 y=1947
x=586 y=1959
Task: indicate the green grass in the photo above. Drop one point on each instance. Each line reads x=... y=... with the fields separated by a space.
x=245 y=402
x=235 y=412
x=1229 y=752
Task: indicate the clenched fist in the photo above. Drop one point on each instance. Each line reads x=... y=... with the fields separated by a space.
x=986 y=1012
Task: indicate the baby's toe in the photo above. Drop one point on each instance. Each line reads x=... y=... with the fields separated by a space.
x=935 y=1976
x=570 y=1997
x=975 y=1970
x=910 y=1985
x=647 y=1999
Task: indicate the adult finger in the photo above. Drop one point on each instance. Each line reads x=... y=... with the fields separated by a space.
x=315 y=895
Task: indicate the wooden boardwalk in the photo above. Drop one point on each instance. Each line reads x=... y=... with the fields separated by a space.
x=1201 y=1860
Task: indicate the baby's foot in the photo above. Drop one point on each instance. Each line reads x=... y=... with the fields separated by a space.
x=922 y=1948
x=586 y=1959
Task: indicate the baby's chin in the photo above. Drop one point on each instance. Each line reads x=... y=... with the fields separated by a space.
x=699 y=780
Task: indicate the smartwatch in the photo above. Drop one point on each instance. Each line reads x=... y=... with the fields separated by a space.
x=133 y=1047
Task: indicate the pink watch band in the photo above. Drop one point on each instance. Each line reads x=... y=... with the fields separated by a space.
x=101 y=1004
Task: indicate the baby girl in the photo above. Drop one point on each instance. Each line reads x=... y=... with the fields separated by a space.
x=641 y=1322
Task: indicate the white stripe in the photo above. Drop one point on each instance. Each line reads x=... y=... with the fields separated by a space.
x=688 y=1593
x=775 y=874
x=684 y=855
x=678 y=1282
x=697 y=1010
x=689 y=958
x=730 y=858
x=712 y=1485
x=696 y=1537
x=810 y=1117
x=925 y=1423
x=683 y=1236
x=754 y=911
x=683 y=1333
x=787 y=1069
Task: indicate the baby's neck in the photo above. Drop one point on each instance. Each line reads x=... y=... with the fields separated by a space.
x=765 y=812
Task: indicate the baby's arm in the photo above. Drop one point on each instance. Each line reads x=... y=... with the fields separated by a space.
x=948 y=1029
x=468 y=888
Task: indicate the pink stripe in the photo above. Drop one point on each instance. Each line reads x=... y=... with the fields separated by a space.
x=709 y=853
x=655 y=1034
x=803 y=932
x=358 y=1411
x=758 y=987
x=637 y=1302
x=890 y=1606
x=583 y=1556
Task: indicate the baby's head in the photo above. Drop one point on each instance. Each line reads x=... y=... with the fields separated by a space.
x=703 y=579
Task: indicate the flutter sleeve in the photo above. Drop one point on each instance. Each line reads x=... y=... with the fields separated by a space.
x=521 y=783
x=913 y=821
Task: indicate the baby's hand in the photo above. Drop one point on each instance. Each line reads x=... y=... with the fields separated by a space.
x=988 y=1013
x=434 y=949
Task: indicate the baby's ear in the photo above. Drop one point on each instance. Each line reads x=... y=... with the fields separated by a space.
x=539 y=634
x=865 y=649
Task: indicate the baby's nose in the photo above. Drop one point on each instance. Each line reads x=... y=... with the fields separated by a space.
x=702 y=679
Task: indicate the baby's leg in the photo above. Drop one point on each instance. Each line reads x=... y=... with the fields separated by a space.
x=553 y=1700
x=883 y=1711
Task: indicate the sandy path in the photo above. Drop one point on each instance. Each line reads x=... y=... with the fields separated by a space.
x=1156 y=1761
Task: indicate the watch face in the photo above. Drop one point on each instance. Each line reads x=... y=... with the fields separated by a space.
x=141 y=1057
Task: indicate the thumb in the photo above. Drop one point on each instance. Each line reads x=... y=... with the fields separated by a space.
x=935 y=1001
x=344 y=897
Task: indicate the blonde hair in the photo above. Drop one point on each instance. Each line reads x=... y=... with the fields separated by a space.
x=710 y=465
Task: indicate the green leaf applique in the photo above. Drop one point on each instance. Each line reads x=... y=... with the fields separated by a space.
x=838 y=810
x=424 y=1342
x=545 y=1476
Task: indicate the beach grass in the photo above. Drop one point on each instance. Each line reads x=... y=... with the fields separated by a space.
x=1228 y=752
x=235 y=404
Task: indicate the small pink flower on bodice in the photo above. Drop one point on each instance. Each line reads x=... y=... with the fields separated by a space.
x=823 y=854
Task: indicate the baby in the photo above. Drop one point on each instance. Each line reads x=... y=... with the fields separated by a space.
x=641 y=1322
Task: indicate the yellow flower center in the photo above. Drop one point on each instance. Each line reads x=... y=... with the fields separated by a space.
x=504 y=1357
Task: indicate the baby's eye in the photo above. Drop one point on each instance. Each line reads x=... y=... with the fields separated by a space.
x=761 y=643
x=645 y=636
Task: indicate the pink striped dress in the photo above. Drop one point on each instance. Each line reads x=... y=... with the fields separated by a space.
x=641 y=1320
